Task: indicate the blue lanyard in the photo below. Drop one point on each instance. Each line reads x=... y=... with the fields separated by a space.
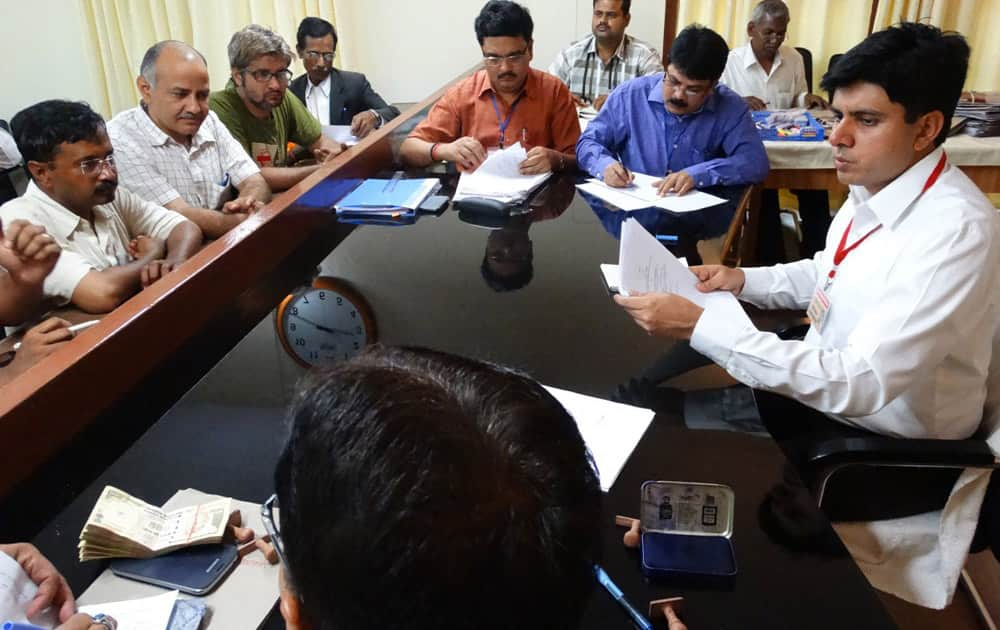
x=503 y=125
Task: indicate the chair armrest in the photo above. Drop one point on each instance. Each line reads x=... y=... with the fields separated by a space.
x=886 y=451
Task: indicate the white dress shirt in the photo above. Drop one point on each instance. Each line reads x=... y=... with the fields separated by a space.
x=783 y=88
x=905 y=348
x=318 y=100
x=9 y=155
x=89 y=246
x=159 y=169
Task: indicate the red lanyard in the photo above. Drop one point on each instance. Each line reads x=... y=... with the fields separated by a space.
x=843 y=250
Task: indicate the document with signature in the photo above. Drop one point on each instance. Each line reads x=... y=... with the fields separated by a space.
x=642 y=194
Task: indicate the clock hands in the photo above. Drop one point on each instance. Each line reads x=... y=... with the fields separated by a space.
x=332 y=331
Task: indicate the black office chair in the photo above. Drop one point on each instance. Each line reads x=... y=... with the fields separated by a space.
x=829 y=67
x=807 y=61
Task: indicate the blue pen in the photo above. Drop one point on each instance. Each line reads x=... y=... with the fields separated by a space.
x=616 y=593
x=11 y=625
x=667 y=237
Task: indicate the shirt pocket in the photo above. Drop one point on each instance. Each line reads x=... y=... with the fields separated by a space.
x=785 y=100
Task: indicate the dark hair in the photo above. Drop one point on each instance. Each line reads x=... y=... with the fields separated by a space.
x=502 y=18
x=919 y=66
x=626 y=5
x=40 y=129
x=700 y=53
x=510 y=282
x=424 y=490
x=314 y=27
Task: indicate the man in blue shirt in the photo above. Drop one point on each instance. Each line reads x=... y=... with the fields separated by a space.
x=680 y=124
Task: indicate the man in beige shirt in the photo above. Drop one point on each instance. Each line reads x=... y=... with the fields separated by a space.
x=113 y=242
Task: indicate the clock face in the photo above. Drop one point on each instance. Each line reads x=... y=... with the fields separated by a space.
x=323 y=326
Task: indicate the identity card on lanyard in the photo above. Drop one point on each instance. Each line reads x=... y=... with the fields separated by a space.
x=819 y=306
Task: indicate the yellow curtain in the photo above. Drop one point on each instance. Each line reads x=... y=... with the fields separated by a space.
x=978 y=20
x=825 y=27
x=120 y=32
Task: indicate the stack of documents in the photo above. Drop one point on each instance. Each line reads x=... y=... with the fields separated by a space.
x=500 y=178
x=122 y=526
x=387 y=196
x=642 y=194
x=981 y=119
x=341 y=134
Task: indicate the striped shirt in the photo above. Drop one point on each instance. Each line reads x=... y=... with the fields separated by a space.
x=580 y=67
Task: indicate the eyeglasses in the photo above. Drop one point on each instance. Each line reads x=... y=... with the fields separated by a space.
x=513 y=58
x=690 y=90
x=95 y=166
x=315 y=55
x=267 y=515
x=264 y=76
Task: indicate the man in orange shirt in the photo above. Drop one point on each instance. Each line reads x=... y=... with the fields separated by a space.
x=505 y=103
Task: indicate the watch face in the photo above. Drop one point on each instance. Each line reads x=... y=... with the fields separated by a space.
x=322 y=327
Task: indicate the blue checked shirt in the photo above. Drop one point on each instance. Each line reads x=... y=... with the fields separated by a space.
x=717 y=145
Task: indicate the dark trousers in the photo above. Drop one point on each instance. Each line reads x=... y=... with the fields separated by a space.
x=814 y=210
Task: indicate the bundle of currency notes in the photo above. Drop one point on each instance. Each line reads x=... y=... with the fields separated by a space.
x=122 y=526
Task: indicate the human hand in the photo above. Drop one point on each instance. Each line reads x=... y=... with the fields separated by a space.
x=467 y=153
x=755 y=103
x=325 y=149
x=719 y=278
x=142 y=246
x=83 y=621
x=662 y=314
x=677 y=183
x=539 y=160
x=815 y=101
x=617 y=176
x=53 y=591
x=27 y=252
x=242 y=205
x=43 y=339
x=363 y=123
x=579 y=101
x=155 y=270
x=599 y=101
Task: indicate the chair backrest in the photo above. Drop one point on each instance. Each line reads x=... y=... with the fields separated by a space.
x=740 y=245
x=807 y=61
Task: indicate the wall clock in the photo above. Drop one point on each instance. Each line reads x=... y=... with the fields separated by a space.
x=325 y=323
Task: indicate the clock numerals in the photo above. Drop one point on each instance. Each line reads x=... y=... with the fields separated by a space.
x=321 y=325
x=322 y=296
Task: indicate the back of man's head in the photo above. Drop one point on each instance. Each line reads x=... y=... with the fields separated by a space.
x=503 y=18
x=423 y=490
x=700 y=53
x=39 y=129
x=919 y=66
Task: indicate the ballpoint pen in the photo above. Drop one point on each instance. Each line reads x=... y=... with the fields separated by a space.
x=605 y=580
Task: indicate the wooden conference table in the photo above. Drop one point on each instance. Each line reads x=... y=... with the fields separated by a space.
x=149 y=401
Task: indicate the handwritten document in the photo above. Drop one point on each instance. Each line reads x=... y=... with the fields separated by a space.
x=611 y=430
x=16 y=592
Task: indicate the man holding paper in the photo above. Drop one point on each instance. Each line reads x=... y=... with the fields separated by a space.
x=903 y=300
x=504 y=104
x=680 y=125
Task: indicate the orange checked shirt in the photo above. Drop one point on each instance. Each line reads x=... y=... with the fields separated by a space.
x=544 y=116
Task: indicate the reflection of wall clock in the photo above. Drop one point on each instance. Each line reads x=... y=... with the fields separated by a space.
x=325 y=323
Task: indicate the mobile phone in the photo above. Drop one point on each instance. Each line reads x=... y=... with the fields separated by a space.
x=434 y=203
x=194 y=570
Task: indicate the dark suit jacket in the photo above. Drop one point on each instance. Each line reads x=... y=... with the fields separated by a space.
x=350 y=93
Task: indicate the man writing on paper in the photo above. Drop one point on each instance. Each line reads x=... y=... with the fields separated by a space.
x=173 y=151
x=680 y=124
x=600 y=62
x=333 y=96
x=475 y=499
x=506 y=103
x=771 y=76
x=903 y=301
x=113 y=242
x=260 y=112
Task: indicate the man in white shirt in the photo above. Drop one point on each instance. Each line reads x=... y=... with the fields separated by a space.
x=113 y=242
x=903 y=301
x=173 y=151
x=595 y=65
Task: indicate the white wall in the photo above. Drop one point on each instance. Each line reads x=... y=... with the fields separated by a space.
x=407 y=49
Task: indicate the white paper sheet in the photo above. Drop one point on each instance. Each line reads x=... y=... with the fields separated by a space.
x=341 y=134
x=16 y=592
x=147 y=613
x=642 y=194
x=499 y=178
x=649 y=267
x=613 y=274
x=611 y=430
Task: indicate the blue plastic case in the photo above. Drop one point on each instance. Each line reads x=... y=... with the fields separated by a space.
x=687 y=529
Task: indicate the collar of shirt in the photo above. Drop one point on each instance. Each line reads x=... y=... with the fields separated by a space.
x=750 y=59
x=655 y=95
x=529 y=90
x=323 y=87
x=158 y=138
x=888 y=205
x=61 y=221
x=619 y=52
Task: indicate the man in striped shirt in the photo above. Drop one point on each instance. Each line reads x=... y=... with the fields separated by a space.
x=600 y=62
